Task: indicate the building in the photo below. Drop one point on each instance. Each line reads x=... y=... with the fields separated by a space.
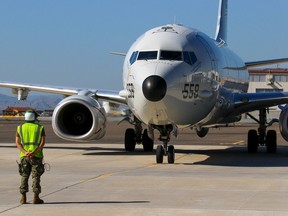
x=15 y=111
x=268 y=80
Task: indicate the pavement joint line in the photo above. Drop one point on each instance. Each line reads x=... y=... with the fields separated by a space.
x=101 y=176
x=14 y=207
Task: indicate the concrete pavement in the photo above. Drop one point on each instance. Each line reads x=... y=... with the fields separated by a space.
x=214 y=176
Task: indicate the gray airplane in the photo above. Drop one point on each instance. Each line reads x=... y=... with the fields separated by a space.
x=173 y=77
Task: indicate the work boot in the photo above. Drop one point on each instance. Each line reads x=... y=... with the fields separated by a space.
x=23 y=199
x=37 y=200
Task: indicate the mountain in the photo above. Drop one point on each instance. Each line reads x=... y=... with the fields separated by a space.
x=38 y=102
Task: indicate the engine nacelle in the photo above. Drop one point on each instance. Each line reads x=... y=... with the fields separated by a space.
x=79 y=118
x=202 y=132
x=283 y=124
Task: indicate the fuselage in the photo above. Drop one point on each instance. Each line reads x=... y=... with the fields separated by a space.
x=176 y=75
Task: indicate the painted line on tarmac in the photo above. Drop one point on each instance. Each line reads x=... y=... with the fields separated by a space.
x=233 y=143
x=107 y=175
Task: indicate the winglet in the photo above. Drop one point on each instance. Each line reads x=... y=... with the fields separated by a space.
x=221 y=30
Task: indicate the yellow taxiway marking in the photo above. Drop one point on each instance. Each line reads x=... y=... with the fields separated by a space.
x=106 y=175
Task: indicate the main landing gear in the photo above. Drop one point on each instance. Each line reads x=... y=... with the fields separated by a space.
x=261 y=137
x=133 y=136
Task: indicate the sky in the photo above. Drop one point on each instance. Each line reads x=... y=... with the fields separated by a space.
x=68 y=42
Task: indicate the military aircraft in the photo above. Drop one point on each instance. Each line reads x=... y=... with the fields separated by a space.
x=173 y=77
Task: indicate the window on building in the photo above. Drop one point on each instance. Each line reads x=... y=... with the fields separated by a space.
x=257 y=78
x=281 y=78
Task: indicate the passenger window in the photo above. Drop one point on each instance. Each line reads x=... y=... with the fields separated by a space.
x=190 y=57
x=133 y=57
x=147 y=55
x=171 y=55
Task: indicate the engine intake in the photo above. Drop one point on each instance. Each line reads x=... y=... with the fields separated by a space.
x=79 y=118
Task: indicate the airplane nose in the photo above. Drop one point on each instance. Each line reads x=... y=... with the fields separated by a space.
x=154 y=88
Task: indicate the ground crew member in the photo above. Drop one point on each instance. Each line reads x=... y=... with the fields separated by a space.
x=30 y=140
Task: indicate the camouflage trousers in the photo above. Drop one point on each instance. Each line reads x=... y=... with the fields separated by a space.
x=26 y=167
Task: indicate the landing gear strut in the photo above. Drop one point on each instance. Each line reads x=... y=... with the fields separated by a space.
x=261 y=137
x=165 y=150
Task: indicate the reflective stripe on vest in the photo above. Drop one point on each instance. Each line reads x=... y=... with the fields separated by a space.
x=36 y=139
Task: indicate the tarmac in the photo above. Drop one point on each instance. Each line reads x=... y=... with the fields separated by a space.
x=213 y=175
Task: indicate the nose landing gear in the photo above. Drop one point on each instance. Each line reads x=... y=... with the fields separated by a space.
x=134 y=136
x=165 y=149
x=161 y=151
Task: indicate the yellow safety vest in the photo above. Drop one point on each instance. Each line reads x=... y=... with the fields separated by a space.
x=30 y=135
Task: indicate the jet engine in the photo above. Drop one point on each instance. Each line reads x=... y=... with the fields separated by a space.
x=79 y=118
x=283 y=124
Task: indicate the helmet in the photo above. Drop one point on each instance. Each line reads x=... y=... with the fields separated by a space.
x=30 y=115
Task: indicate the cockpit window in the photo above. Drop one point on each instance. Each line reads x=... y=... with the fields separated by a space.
x=147 y=55
x=186 y=56
x=190 y=57
x=171 y=55
x=133 y=57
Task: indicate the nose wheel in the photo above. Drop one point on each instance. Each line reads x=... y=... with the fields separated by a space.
x=171 y=154
x=164 y=150
x=159 y=154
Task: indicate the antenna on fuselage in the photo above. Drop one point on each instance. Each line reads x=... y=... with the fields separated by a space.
x=221 y=29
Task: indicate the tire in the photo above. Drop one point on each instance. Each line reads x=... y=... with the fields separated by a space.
x=130 y=140
x=147 y=143
x=271 y=141
x=252 y=143
x=171 y=154
x=159 y=154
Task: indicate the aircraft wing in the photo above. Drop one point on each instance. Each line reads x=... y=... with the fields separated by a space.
x=265 y=62
x=247 y=102
x=22 y=90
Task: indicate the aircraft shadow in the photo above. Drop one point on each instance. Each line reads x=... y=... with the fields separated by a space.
x=116 y=152
x=232 y=156
x=239 y=157
x=103 y=150
x=6 y=146
x=96 y=202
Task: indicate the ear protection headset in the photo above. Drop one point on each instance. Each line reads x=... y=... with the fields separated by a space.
x=30 y=115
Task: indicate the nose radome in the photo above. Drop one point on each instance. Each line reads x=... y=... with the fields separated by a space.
x=154 y=88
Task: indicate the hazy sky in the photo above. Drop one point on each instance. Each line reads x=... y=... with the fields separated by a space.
x=67 y=42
